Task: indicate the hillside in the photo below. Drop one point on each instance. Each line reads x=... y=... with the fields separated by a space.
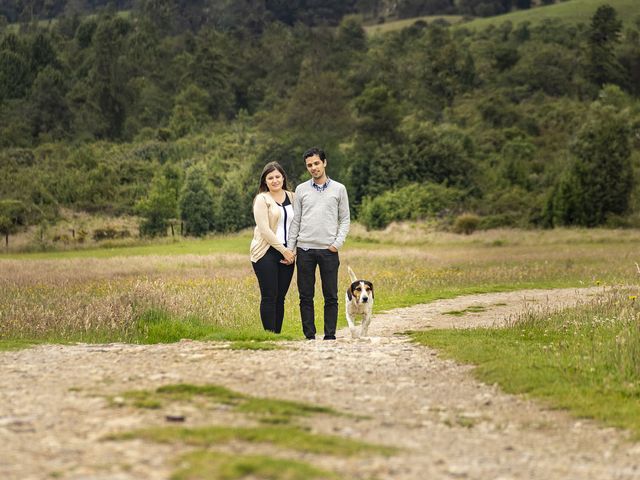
x=407 y=22
x=527 y=126
x=572 y=11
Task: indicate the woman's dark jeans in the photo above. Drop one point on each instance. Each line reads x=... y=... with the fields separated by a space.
x=274 y=279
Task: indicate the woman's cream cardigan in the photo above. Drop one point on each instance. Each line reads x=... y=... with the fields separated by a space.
x=266 y=212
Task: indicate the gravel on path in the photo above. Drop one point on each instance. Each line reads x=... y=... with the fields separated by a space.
x=54 y=410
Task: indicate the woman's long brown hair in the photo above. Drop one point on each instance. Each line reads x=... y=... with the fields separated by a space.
x=268 y=168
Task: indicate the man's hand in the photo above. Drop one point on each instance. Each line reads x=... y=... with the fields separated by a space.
x=333 y=249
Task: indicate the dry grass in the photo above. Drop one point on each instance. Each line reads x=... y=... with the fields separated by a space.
x=112 y=308
x=82 y=270
x=419 y=233
x=103 y=299
x=67 y=232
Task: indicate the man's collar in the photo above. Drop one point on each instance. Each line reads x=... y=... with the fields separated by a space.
x=322 y=187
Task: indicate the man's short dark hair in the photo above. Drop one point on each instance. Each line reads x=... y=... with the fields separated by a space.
x=314 y=151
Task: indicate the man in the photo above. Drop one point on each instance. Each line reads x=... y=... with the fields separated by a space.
x=319 y=228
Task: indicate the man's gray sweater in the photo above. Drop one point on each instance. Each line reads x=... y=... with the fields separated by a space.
x=320 y=218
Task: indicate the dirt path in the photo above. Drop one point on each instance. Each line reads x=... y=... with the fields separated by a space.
x=53 y=411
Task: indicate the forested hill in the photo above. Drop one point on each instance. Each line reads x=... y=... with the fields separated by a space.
x=142 y=107
x=310 y=12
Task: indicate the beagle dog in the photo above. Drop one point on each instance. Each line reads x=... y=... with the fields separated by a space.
x=359 y=301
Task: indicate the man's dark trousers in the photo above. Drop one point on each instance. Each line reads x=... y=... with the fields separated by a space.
x=328 y=262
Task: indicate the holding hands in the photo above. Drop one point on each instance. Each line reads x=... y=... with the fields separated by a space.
x=289 y=257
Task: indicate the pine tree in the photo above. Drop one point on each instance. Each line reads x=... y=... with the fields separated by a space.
x=108 y=78
x=196 y=203
x=159 y=207
x=50 y=112
x=14 y=75
x=604 y=35
x=230 y=211
x=600 y=181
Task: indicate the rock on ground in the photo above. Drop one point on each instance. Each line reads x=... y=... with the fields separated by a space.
x=54 y=412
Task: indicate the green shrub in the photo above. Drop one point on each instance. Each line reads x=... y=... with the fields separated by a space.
x=466 y=223
x=413 y=202
x=20 y=156
x=81 y=235
x=160 y=205
x=153 y=150
x=600 y=180
x=196 y=202
x=499 y=220
x=110 y=233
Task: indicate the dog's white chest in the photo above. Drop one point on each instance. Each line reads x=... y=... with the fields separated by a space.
x=356 y=308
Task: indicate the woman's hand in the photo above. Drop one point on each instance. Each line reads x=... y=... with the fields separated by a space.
x=289 y=257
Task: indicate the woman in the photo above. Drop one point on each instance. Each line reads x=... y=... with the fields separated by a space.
x=272 y=262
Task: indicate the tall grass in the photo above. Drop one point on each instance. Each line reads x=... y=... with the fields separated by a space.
x=161 y=298
x=604 y=335
x=585 y=359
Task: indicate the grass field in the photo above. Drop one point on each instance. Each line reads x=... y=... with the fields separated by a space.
x=206 y=289
x=15 y=27
x=407 y=22
x=572 y=11
x=585 y=359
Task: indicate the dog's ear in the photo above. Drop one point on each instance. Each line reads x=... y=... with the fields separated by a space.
x=371 y=285
x=349 y=294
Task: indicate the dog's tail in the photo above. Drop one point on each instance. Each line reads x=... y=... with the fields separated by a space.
x=351 y=274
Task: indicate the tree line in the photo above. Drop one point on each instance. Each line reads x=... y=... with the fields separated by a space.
x=155 y=114
x=215 y=12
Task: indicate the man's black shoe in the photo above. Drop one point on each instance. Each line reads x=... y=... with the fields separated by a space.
x=329 y=337
x=310 y=338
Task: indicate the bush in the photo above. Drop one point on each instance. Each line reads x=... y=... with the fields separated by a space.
x=161 y=204
x=232 y=208
x=20 y=156
x=413 y=202
x=196 y=202
x=61 y=237
x=110 y=233
x=81 y=235
x=154 y=150
x=618 y=221
x=500 y=220
x=466 y=223
x=600 y=180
